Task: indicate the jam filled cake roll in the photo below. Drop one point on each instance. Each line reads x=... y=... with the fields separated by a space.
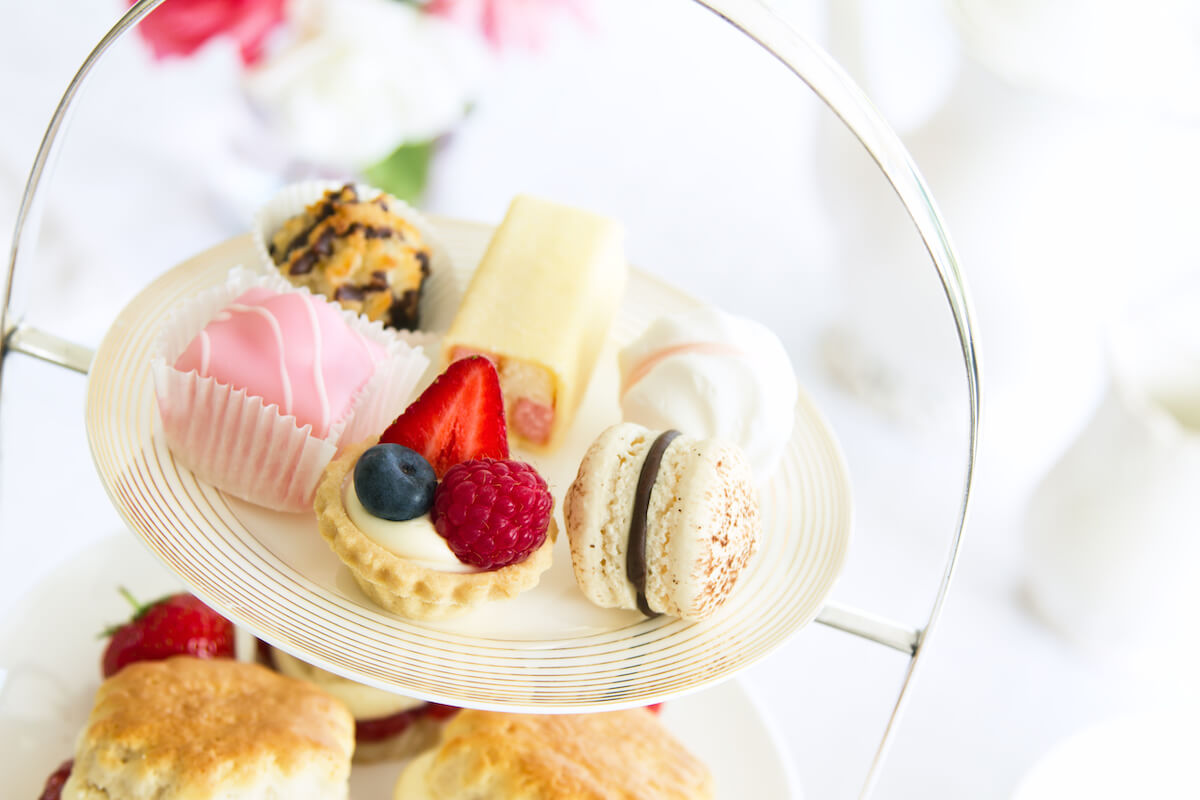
x=540 y=306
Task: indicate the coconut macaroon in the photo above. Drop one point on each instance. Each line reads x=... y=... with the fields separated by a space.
x=661 y=522
x=486 y=754
x=204 y=729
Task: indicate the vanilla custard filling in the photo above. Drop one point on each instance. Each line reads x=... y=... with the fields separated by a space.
x=413 y=784
x=364 y=702
x=414 y=540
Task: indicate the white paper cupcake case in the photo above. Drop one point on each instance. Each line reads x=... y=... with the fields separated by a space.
x=249 y=449
x=440 y=293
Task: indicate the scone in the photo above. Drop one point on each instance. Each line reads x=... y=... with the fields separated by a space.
x=196 y=729
x=387 y=726
x=617 y=755
x=361 y=252
x=661 y=522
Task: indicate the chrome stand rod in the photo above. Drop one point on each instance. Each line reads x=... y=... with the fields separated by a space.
x=871 y=627
x=848 y=102
x=38 y=343
x=29 y=213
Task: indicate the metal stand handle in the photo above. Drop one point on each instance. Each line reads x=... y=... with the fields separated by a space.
x=29 y=213
x=839 y=93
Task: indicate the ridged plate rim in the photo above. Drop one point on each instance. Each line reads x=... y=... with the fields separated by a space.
x=195 y=531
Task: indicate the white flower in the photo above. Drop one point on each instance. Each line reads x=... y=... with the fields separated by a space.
x=365 y=76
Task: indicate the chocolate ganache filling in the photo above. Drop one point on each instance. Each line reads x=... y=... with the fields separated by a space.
x=635 y=553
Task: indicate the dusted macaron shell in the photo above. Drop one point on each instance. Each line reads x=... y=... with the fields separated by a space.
x=702 y=523
x=293 y=350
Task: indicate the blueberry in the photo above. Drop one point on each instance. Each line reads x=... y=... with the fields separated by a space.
x=394 y=482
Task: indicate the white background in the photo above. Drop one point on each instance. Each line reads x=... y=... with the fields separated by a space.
x=1063 y=198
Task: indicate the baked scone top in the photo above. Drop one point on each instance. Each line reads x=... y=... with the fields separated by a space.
x=617 y=755
x=203 y=726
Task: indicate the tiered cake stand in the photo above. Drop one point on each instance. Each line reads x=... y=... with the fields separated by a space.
x=542 y=676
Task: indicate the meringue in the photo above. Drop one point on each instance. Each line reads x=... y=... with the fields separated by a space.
x=712 y=375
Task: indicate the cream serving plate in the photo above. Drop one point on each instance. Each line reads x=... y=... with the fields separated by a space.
x=548 y=650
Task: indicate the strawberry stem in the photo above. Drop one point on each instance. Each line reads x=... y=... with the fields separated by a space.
x=138 y=608
x=139 y=611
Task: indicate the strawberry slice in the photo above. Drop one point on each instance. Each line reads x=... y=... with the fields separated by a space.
x=458 y=418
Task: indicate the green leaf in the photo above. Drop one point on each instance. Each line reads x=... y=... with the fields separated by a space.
x=404 y=172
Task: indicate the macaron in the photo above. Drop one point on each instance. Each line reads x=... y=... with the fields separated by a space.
x=661 y=522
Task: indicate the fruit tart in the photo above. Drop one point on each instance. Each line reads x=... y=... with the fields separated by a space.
x=436 y=519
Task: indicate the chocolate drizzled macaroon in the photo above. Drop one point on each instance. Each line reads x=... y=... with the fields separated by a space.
x=360 y=252
x=661 y=522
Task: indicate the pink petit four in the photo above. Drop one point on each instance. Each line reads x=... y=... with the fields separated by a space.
x=259 y=385
x=293 y=350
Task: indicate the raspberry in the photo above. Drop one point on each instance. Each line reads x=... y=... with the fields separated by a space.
x=492 y=512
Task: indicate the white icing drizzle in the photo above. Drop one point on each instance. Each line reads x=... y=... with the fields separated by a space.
x=362 y=342
x=205 y=352
x=318 y=364
x=278 y=332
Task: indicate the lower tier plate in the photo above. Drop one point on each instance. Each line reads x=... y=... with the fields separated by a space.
x=549 y=650
x=49 y=672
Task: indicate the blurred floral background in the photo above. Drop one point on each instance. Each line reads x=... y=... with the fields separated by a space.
x=1059 y=140
x=362 y=87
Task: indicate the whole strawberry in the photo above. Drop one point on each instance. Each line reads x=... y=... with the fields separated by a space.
x=492 y=512
x=176 y=625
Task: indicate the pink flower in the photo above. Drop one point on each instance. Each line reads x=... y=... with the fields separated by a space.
x=505 y=23
x=181 y=27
